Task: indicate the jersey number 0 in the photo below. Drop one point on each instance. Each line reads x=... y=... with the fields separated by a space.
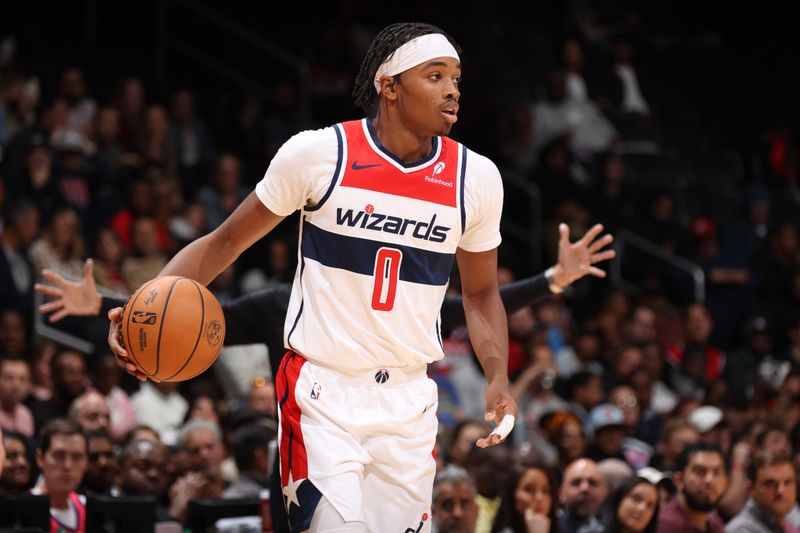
x=387 y=272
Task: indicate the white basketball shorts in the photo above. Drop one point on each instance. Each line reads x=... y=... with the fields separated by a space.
x=363 y=441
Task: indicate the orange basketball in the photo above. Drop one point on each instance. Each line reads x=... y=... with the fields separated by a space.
x=172 y=328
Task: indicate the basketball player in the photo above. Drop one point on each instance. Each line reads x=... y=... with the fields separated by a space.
x=388 y=202
x=253 y=318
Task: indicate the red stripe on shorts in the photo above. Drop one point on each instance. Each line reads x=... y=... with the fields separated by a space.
x=292 y=447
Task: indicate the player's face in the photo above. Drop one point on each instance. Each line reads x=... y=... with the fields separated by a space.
x=428 y=96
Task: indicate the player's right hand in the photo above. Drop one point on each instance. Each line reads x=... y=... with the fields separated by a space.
x=115 y=343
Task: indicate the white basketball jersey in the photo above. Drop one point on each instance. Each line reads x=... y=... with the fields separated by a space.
x=376 y=248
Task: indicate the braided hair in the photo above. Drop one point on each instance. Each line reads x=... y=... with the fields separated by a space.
x=383 y=45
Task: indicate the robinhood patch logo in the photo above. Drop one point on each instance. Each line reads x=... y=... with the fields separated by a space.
x=438 y=168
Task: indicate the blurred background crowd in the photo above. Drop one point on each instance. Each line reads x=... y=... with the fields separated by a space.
x=670 y=123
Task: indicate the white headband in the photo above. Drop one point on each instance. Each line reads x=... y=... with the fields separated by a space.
x=415 y=52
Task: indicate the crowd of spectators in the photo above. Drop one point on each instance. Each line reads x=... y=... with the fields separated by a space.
x=644 y=407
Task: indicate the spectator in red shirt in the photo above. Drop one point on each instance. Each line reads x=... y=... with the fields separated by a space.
x=698 y=325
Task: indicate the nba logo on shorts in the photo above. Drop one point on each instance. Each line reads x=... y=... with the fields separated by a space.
x=316 y=390
x=382 y=375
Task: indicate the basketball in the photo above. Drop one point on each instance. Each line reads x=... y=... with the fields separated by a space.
x=172 y=328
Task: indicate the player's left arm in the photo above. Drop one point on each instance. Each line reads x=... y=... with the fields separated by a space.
x=488 y=331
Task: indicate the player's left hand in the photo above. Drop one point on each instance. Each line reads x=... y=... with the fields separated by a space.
x=576 y=260
x=499 y=403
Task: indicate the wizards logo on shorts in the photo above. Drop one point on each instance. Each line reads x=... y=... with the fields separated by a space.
x=382 y=375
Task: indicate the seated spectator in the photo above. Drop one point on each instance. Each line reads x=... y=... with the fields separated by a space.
x=583 y=490
x=584 y=391
x=713 y=426
x=528 y=502
x=636 y=398
x=160 y=406
x=157 y=147
x=82 y=108
x=102 y=466
x=489 y=468
x=453 y=508
x=262 y=396
x=106 y=377
x=251 y=452
x=701 y=478
x=225 y=191
x=62 y=456
x=15 y=386
x=615 y=472
x=61 y=248
x=633 y=507
x=109 y=254
x=68 y=372
x=607 y=426
x=91 y=412
x=16 y=474
x=202 y=441
x=14 y=334
x=698 y=325
x=677 y=434
x=143 y=472
x=463 y=438
x=583 y=125
x=146 y=259
x=140 y=197
x=203 y=407
x=565 y=433
x=773 y=493
x=190 y=136
x=21 y=227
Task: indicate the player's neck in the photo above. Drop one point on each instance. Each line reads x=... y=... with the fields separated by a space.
x=399 y=140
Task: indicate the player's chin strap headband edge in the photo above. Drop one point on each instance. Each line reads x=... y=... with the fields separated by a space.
x=413 y=53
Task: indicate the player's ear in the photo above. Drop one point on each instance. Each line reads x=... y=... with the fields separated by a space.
x=388 y=87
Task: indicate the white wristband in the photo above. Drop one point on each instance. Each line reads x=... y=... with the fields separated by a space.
x=549 y=275
x=504 y=427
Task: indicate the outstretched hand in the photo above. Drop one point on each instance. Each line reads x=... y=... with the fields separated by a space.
x=69 y=298
x=576 y=260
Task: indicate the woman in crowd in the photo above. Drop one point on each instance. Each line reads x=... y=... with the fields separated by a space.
x=61 y=248
x=528 y=503
x=17 y=469
x=632 y=507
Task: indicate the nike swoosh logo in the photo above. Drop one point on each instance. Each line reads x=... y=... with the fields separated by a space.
x=356 y=166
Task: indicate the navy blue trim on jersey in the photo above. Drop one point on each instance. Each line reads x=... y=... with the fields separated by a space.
x=339 y=162
x=282 y=367
x=463 y=179
x=425 y=160
x=439 y=334
x=300 y=310
x=358 y=255
x=300 y=516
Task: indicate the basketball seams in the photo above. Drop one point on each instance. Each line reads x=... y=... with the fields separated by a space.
x=199 y=334
x=128 y=325
x=161 y=325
